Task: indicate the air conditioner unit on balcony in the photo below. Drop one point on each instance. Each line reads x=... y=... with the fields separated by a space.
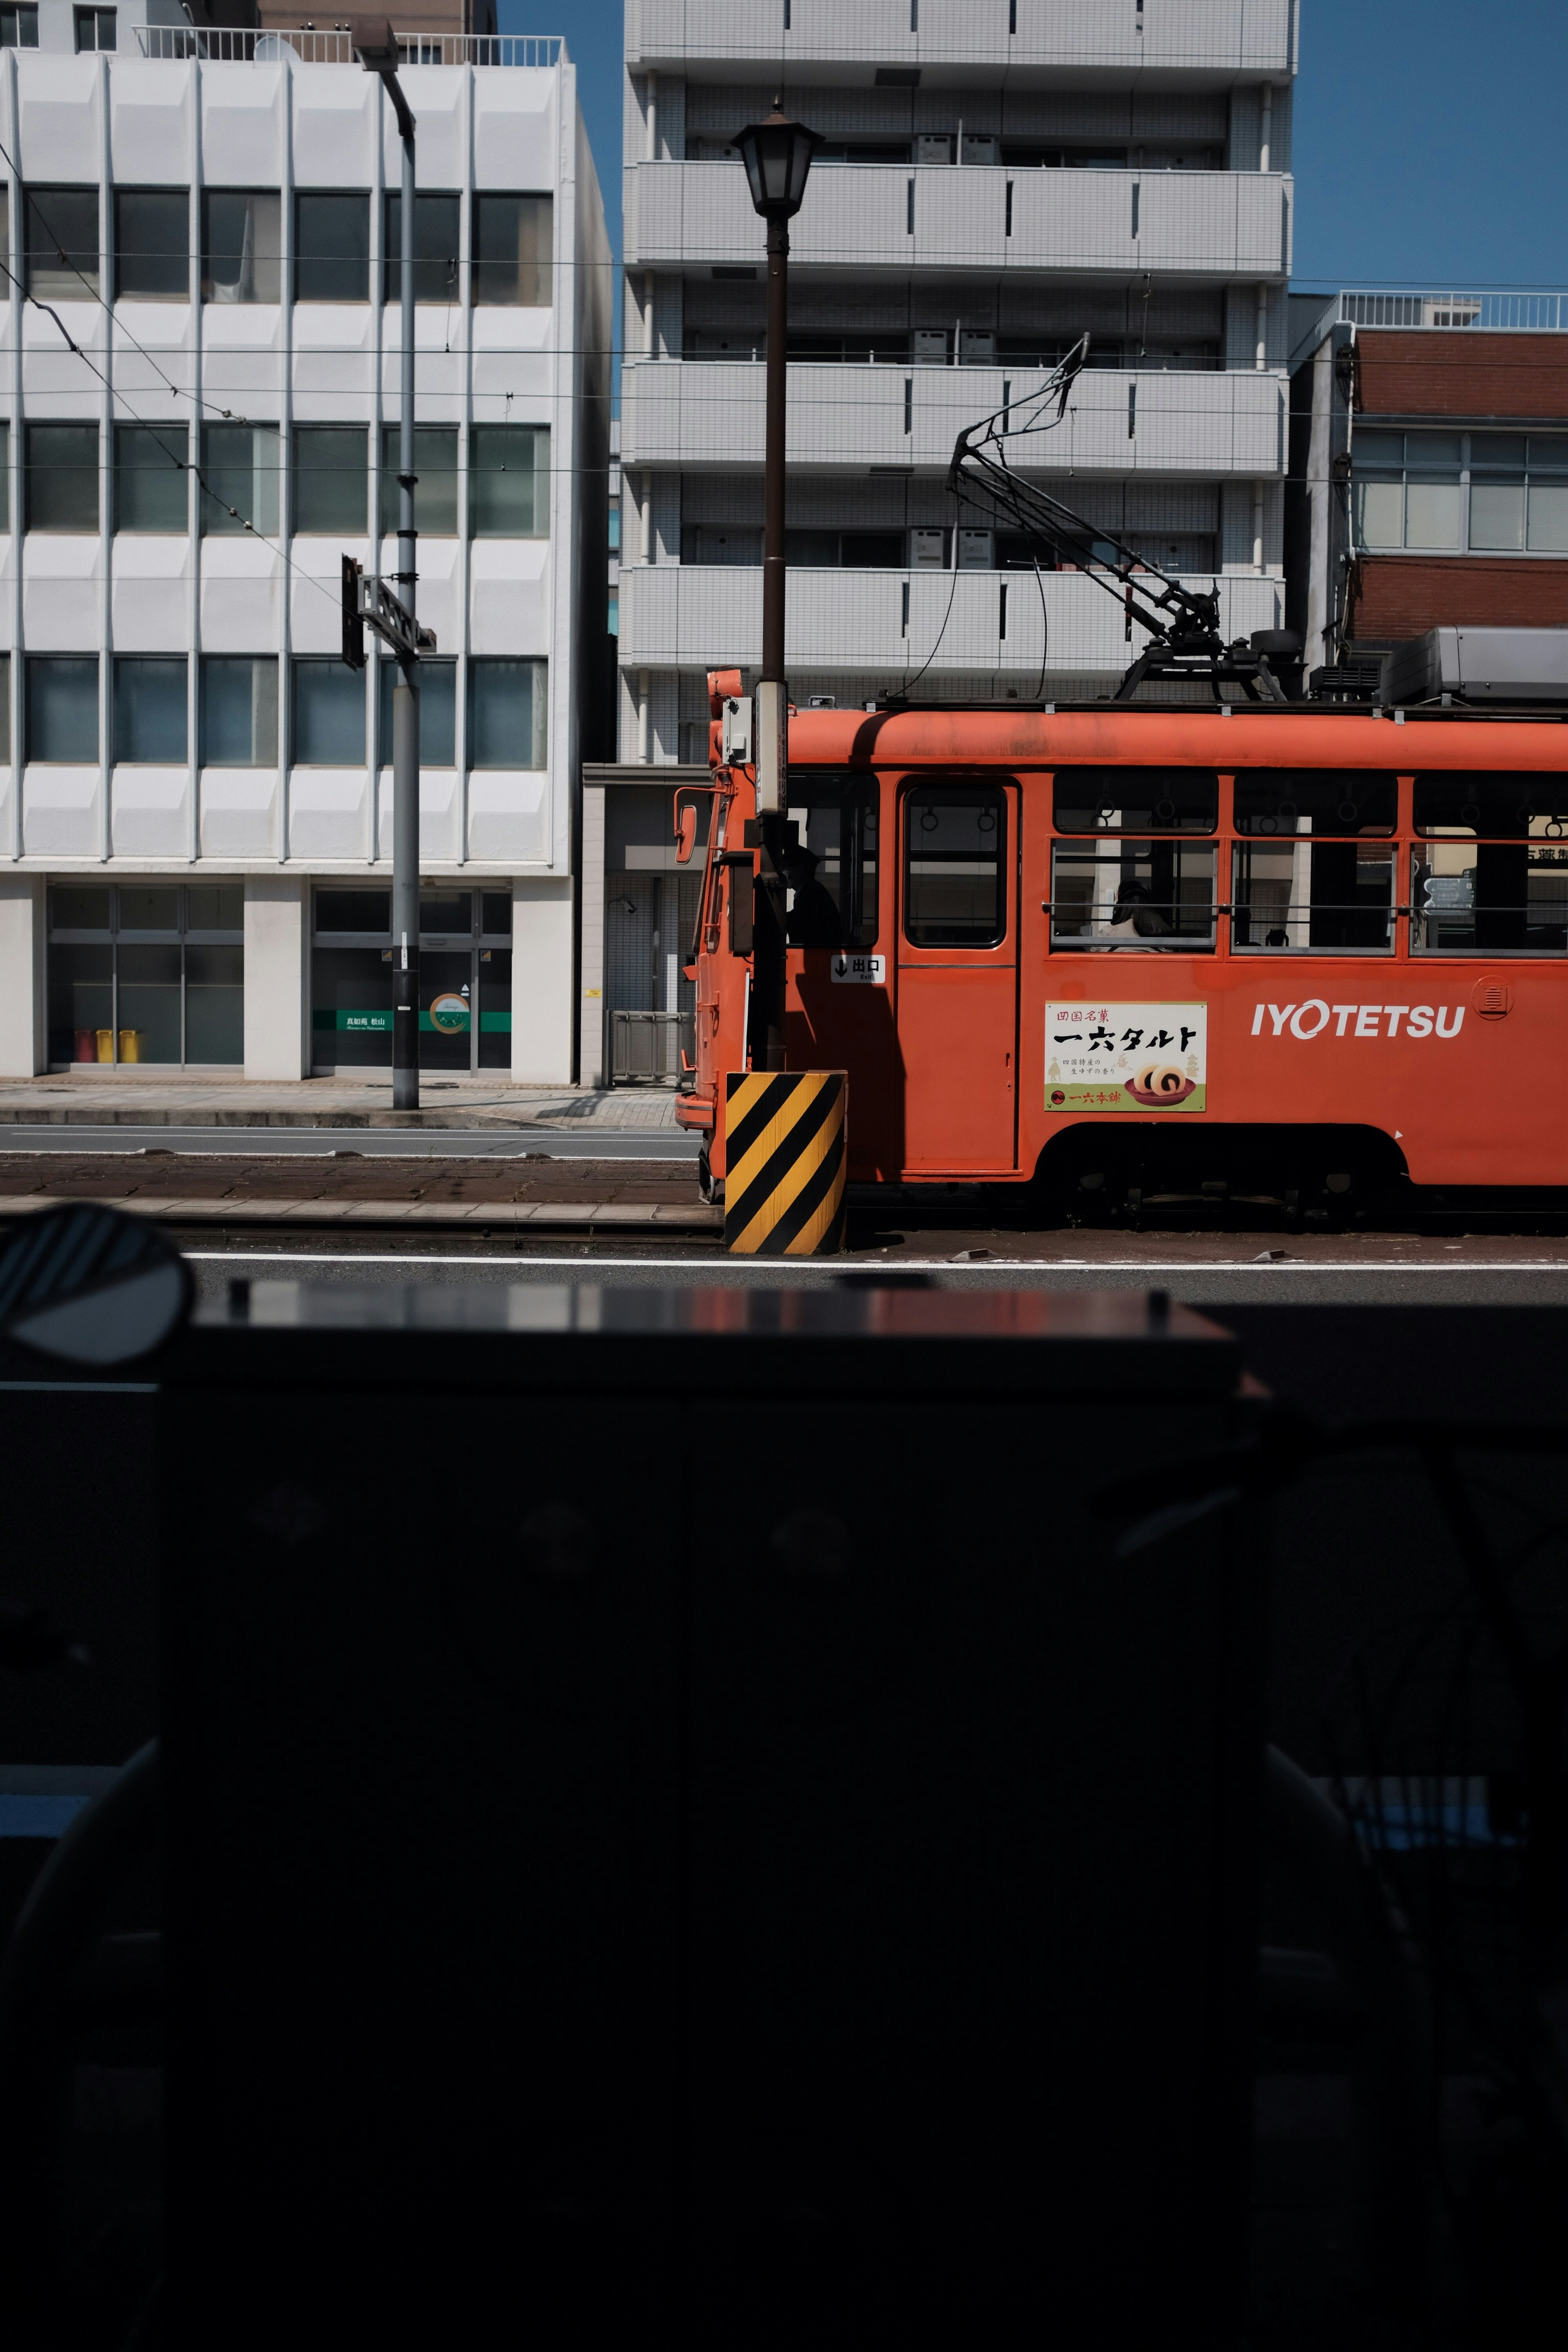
x=928 y=551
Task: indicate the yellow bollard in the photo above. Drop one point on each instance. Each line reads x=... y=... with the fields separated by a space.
x=785 y=1163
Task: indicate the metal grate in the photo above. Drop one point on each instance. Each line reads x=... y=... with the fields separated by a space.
x=647 y=1045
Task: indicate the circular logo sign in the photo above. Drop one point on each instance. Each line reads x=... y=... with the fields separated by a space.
x=450 y=1014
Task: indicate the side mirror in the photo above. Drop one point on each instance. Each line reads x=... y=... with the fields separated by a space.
x=685 y=832
x=91 y=1285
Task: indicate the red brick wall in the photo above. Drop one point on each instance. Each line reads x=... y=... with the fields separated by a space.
x=1461 y=374
x=1402 y=595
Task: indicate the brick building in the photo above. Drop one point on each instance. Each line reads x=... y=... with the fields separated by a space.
x=1428 y=467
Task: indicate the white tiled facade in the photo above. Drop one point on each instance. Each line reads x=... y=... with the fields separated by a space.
x=257 y=115
x=999 y=177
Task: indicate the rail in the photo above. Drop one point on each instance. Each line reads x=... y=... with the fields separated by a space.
x=1518 y=314
x=234 y=45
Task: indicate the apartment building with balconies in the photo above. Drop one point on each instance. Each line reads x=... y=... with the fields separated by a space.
x=997 y=177
x=199 y=418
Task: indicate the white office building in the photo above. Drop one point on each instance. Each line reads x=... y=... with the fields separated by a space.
x=200 y=413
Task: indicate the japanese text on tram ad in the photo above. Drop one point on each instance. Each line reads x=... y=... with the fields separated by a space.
x=1136 y=1057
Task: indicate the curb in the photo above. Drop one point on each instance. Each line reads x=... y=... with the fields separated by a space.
x=626 y=1216
x=469 y=1122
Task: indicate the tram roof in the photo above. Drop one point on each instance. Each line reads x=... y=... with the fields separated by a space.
x=1239 y=735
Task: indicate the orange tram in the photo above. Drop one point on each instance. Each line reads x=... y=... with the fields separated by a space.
x=1294 y=951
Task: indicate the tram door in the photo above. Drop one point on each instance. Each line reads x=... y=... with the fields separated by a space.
x=958 y=975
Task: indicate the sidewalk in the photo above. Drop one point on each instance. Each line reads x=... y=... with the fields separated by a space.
x=110 y=1100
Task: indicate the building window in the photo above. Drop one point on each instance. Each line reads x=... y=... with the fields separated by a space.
x=146 y=974
x=1494 y=493
x=465 y=980
x=150 y=710
x=507 y=714
x=239 y=488
x=94 y=30
x=1518 y=492
x=62 y=244
x=6 y=749
x=151 y=245
x=438 y=712
x=239 y=710
x=436 y=493
x=512 y=251
x=331 y=480
x=613 y=614
x=331 y=248
x=241 y=244
x=62 y=478
x=508 y=481
x=329 y=714
x=151 y=469
x=437 y=229
x=4 y=477
x=62 y=708
x=19 y=29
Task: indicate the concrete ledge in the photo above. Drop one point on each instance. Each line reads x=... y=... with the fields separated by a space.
x=543 y=1216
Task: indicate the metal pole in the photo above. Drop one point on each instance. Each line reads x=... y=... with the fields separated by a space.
x=769 y=935
x=405 y=694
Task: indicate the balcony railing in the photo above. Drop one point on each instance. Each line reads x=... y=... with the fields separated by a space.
x=677 y=415
x=232 y=45
x=1514 y=313
x=985 y=217
x=694 y=616
x=1244 y=39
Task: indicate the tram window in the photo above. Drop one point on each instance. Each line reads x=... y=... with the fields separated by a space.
x=955 y=865
x=1506 y=805
x=1341 y=801
x=1136 y=799
x=1132 y=894
x=830 y=861
x=1489 y=898
x=1306 y=893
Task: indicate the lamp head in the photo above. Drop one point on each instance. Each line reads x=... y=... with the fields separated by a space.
x=777 y=155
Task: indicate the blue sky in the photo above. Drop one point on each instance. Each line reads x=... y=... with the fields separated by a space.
x=1429 y=135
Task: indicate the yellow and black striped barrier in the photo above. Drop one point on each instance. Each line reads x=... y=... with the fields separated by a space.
x=784 y=1157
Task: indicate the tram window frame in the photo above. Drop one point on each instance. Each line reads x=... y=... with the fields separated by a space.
x=1486 y=904
x=1331 y=913
x=1490 y=804
x=856 y=799
x=1334 y=810
x=1114 y=816
x=1157 y=895
x=951 y=933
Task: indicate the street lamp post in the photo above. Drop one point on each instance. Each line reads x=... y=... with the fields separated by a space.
x=376 y=48
x=777 y=155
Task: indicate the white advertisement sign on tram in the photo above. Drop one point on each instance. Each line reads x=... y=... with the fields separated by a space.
x=1133 y=1057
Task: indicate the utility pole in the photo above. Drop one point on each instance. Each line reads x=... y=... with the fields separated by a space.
x=376 y=48
x=777 y=155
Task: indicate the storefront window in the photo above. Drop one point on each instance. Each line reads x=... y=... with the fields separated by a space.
x=148 y=974
x=465 y=980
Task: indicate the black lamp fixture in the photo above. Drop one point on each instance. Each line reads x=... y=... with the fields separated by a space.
x=777 y=155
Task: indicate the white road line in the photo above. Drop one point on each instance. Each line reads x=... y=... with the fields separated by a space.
x=1165 y=1266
